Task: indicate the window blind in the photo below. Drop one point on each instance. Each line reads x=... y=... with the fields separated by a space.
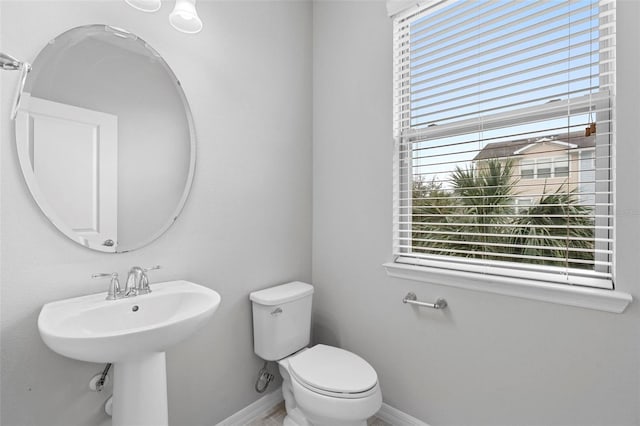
x=504 y=138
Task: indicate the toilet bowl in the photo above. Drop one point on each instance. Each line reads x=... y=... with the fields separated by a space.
x=322 y=385
x=330 y=387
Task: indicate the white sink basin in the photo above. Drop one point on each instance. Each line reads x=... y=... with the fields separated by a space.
x=133 y=334
x=90 y=328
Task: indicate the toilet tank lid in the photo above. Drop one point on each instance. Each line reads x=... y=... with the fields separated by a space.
x=281 y=293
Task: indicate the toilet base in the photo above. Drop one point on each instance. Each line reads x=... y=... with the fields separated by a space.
x=288 y=422
x=296 y=416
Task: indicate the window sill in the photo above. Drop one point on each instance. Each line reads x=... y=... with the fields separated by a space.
x=583 y=297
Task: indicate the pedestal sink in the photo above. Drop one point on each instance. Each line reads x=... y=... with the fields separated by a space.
x=133 y=334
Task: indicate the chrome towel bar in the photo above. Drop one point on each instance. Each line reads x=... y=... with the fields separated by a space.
x=412 y=299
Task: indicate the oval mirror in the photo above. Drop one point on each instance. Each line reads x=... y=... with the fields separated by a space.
x=105 y=138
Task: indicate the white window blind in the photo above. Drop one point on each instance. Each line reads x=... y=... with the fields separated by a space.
x=495 y=103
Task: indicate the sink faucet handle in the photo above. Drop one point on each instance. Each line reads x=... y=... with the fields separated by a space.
x=113 y=292
x=143 y=284
x=103 y=274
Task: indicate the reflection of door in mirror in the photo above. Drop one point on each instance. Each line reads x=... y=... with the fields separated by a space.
x=73 y=153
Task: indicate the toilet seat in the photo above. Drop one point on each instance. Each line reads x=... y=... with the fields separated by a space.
x=333 y=372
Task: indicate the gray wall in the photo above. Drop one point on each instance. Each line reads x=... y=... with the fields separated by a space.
x=489 y=359
x=246 y=225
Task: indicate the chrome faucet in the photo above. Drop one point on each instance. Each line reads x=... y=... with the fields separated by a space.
x=133 y=280
x=138 y=281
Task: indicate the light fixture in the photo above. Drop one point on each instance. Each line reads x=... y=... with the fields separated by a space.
x=145 y=5
x=185 y=18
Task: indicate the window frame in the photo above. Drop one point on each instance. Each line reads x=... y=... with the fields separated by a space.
x=477 y=275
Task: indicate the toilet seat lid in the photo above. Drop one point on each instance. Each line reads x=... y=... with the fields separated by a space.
x=333 y=370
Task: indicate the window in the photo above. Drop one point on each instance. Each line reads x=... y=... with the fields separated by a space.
x=561 y=167
x=587 y=178
x=522 y=204
x=544 y=168
x=479 y=87
x=527 y=169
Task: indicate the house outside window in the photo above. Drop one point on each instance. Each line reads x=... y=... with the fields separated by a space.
x=561 y=166
x=545 y=165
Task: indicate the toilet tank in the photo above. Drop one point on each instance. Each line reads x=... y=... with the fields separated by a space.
x=281 y=319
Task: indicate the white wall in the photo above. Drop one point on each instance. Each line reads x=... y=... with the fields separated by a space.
x=246 y=225
x=487 y=360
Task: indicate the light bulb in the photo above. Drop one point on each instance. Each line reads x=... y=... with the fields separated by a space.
x=145 y=5
x=185 y=18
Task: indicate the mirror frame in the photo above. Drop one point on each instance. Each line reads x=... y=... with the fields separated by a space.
x=31 y=181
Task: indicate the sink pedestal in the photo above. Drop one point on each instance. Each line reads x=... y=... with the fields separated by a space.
x=140 y=391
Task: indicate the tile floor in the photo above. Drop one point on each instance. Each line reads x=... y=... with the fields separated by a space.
x=275 y=417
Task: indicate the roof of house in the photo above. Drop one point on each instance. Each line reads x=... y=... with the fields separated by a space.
x=576 y=140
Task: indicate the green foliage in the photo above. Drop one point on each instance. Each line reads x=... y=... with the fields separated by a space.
x=476 y=218
x=431 y=211
x=558 y=227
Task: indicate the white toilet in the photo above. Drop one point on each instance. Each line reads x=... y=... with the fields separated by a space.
x=322 y=385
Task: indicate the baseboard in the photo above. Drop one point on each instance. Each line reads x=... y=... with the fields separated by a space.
x=397 y=418
x=253 y=410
